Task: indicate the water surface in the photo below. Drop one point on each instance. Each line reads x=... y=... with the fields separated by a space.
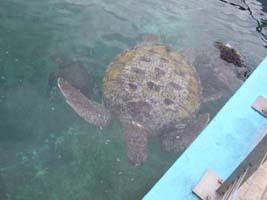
x=47 y=151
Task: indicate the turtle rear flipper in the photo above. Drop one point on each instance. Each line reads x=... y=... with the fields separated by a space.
x=136 y=141
x=180 y=138
x=90 y=111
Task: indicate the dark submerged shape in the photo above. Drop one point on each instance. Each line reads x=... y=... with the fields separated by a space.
x=153 y=91
x=230 y=55
x=147 y=88
x=75 y=73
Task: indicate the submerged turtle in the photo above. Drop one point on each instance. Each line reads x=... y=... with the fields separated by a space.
x=151 y=90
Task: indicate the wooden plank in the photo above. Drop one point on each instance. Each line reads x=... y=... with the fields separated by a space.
x=207 y=186
x=260 y=105
x=255 y=187
x=251 y=162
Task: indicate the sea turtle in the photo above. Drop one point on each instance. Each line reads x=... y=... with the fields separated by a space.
x=75 y=73
x=151 y=90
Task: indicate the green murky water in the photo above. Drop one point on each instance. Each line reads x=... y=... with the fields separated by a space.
x=46 y=150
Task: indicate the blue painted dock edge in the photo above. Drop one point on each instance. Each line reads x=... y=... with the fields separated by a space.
x=222 y=144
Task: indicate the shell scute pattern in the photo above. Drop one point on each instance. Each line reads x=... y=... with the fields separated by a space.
x=153 y=85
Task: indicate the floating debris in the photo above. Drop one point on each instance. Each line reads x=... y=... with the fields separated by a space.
x=42 y=172
x=107 y=141
x=24 y=158
x=118 y=159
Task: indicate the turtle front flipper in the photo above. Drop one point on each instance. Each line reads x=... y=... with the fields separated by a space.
x=179 y=138
x=90 y=111
x=136 y=141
